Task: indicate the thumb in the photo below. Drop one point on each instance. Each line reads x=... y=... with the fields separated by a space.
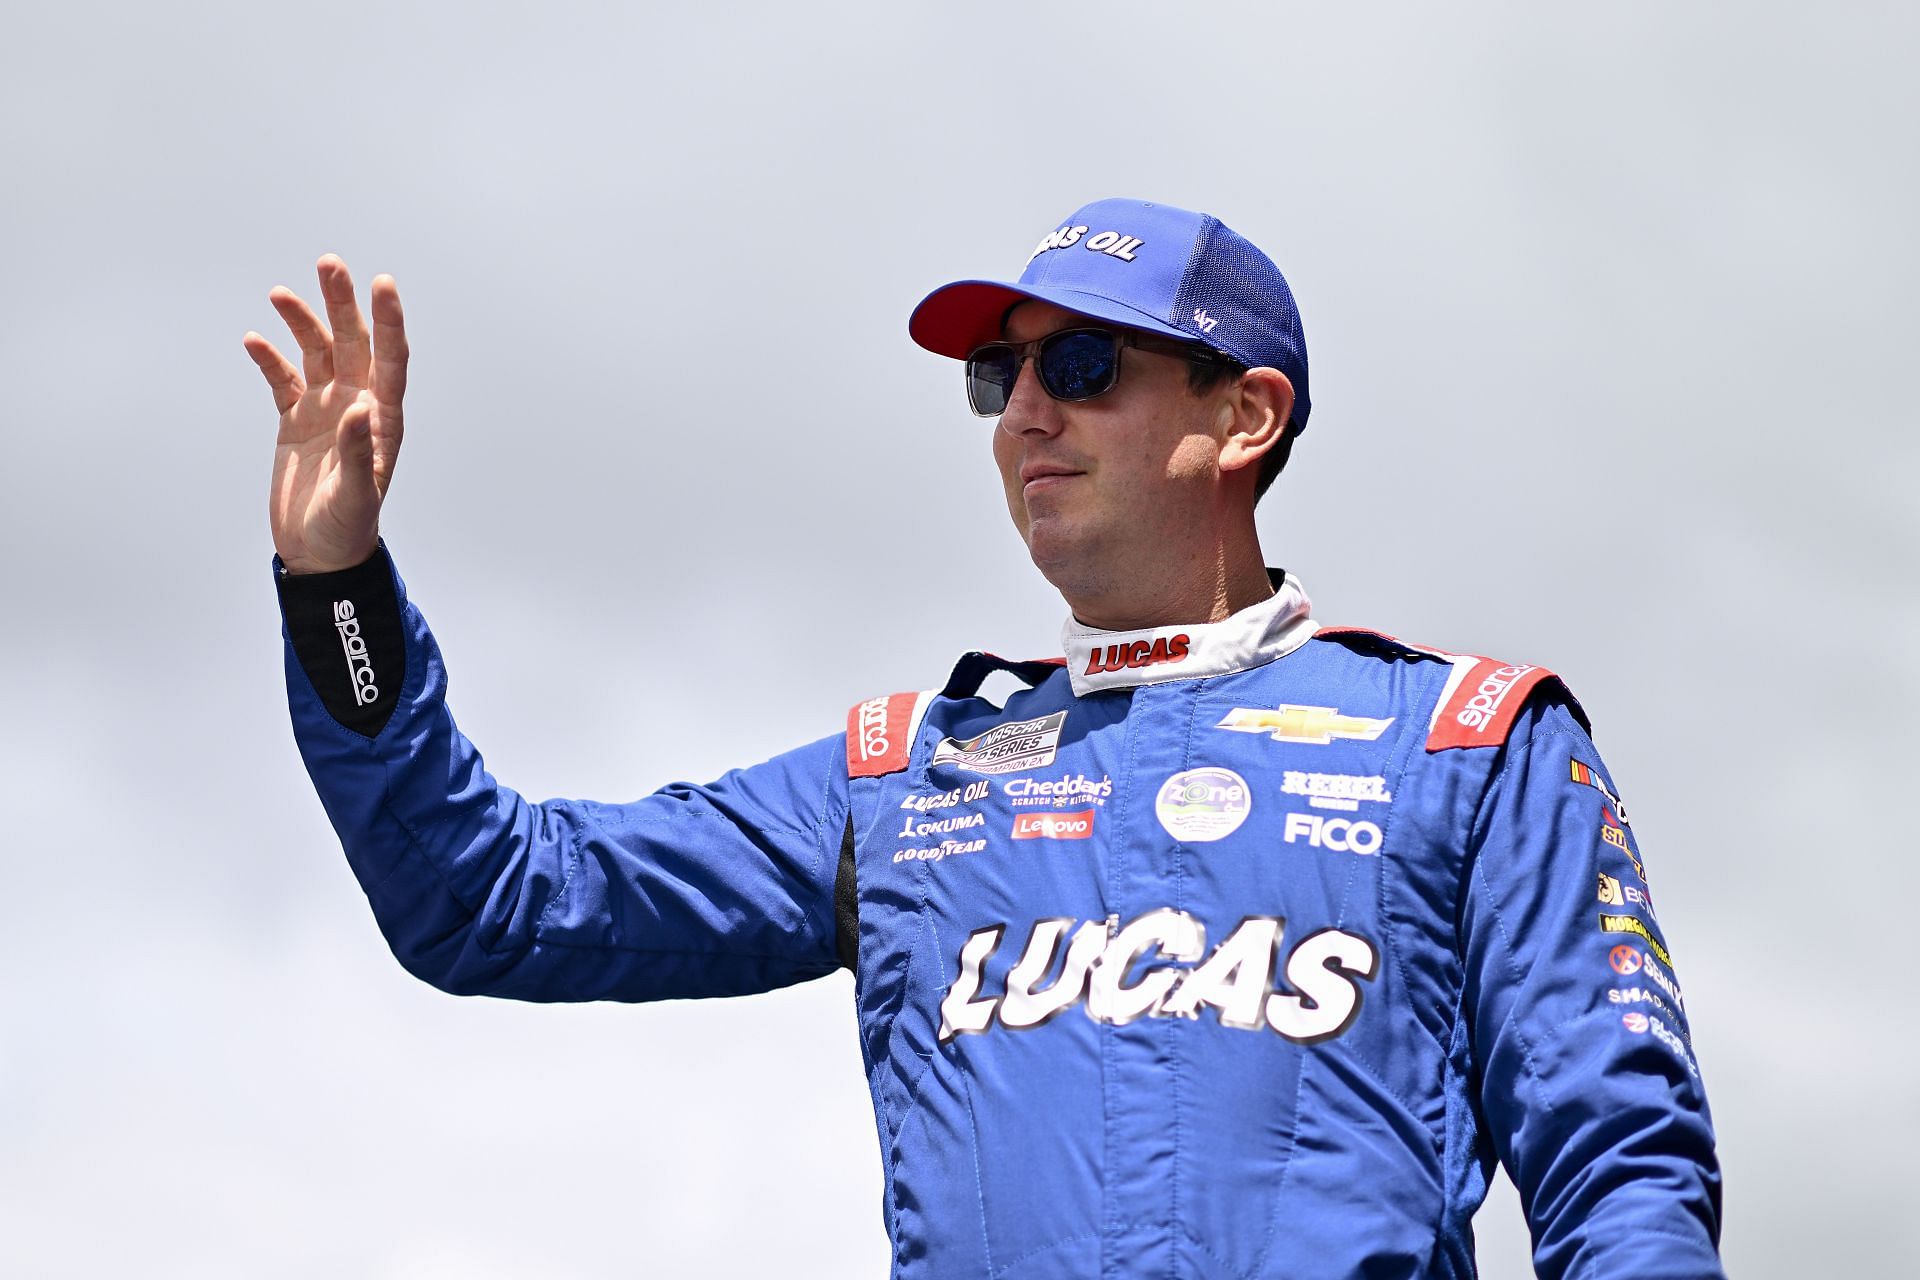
x=354 y=443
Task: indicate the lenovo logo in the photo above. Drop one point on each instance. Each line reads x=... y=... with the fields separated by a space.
x=1053 y=826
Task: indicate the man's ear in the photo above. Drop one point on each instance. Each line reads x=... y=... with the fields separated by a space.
x=1255 y=411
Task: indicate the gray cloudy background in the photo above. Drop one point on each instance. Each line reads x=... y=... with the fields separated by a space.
x=1610 y=311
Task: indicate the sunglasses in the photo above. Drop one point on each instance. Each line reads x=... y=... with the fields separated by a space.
x=1074 y=364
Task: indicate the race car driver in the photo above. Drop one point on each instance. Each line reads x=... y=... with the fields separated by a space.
x=1230 y=945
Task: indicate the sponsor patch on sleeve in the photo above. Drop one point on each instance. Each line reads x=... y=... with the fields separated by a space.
x=1480 y=708
x=880 y=734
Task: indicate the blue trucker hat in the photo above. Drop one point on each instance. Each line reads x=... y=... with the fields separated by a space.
x=1147 y=266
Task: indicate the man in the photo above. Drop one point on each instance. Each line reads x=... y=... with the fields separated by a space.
x=1229 y=946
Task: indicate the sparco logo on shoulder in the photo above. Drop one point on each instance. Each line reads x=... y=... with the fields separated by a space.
x=359 y=665
x=1486 y=700
x=873 y=729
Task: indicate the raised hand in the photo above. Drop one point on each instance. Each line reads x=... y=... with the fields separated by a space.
x=340 y=420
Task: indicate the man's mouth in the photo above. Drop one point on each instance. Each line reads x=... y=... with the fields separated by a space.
x=1042 y=475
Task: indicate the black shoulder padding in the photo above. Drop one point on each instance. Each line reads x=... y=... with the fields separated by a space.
x=1377 y=643
x=345 y=629
x=846 y=903
x=973 y=669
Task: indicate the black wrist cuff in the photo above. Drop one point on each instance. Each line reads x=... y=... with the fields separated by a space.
x=346 y=631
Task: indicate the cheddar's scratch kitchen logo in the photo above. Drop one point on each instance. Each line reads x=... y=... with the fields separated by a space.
x=1059 y=793
x=1139 y=653
x=1006 y=748
x=1319 y=999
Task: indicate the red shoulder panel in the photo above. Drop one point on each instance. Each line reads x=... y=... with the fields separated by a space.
x=880 y=735
x=1483 y=706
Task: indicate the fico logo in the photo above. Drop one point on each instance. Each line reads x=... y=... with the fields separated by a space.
x=1139 y=653
x=873 y=729
x=1338 y=834
x=359 y=665
x=1487 y=698
x=1053 y=826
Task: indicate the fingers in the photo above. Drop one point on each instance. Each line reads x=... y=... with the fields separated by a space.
x=316 y=348
x=355 y=445
x=279 y=372
x=352 y=351
x=389 y=348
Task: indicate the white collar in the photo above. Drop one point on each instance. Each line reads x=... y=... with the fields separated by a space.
x=1254 y=636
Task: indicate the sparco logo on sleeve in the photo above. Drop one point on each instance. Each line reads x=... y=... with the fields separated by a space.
x=359 y=665
x=1005 y=748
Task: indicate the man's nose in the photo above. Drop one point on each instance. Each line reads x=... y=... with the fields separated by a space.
x=1030 y=410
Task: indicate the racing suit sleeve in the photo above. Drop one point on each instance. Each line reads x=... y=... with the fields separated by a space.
x=1586 y=1076
x=709 y=890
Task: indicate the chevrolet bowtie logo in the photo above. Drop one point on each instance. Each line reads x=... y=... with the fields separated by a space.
x=1319 y=725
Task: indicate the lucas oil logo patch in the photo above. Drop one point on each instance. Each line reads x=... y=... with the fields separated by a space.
x=1115 y=244
x=1006 y=748
x=1110 y=970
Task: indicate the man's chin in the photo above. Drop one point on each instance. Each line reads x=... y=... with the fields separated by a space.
x=1061 y=550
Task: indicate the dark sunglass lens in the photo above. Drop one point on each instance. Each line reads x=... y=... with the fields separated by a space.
x=990 y=375
x=1079 y=365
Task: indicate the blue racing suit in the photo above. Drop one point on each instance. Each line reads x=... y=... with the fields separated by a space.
x=1239 y=949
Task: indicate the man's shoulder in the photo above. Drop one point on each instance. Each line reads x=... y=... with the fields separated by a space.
x=881 y=730
x=1481 y=699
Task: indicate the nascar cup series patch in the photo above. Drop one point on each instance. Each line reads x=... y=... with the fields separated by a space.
x=1006 y=748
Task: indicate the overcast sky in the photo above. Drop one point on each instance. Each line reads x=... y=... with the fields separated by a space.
x=1611 y=314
